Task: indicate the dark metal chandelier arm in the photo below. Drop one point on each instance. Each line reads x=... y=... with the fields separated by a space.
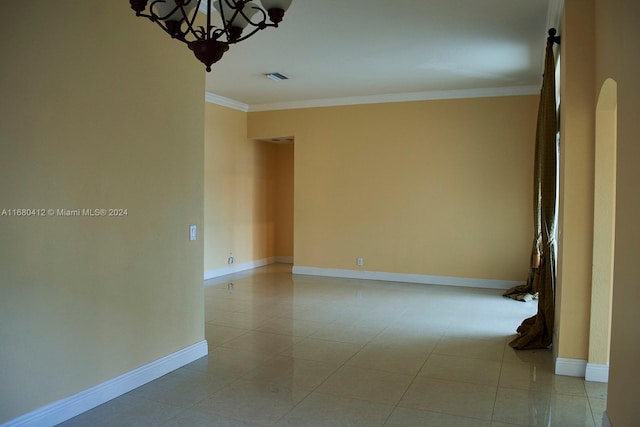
x=227 y=22
x=190 y=22
x=198 y=32
x=260 y=25
x=208 y=32
x=217 y=32
x=174 y=33
x=139 y=6
x=255 y=30
x=162 y=18
x=208 y=43
x=163 y=25
x=248 y=19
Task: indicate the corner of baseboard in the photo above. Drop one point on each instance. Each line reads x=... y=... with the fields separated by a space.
x=570 y=367
x=597 y=372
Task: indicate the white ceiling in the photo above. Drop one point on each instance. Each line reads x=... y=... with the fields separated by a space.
x=338 y=50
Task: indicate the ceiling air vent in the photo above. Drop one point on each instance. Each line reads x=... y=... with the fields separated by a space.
x=277 y=76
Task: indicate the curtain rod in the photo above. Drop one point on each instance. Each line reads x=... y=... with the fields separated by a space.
x=552 y=36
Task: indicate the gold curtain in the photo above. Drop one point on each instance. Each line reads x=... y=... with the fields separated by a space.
x=537 y=331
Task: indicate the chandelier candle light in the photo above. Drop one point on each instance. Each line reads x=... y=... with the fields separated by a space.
x=209 y=42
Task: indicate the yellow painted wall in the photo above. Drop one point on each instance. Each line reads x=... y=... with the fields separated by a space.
x=603 y=224
x=283 y=192
x=617 y=47
x=577 y=140
x=99 y=110
x=437 y=187
x=248 y=185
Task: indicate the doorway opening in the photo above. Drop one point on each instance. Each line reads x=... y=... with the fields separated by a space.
x=282 y=150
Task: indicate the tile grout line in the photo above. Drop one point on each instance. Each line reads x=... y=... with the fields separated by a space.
x=336 y=370
x=495 y=400
x=395 y=407
x=338 y=367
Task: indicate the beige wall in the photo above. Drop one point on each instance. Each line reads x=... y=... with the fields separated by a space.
x=248 y=186
x=283 y=215
x=99 y=110
x=617 y=47
x=438 y=188
x=575 y=224
x=590 y=58
x=604 y=200
x=87 y=122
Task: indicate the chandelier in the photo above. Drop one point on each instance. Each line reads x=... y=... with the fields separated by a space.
x=209 y=37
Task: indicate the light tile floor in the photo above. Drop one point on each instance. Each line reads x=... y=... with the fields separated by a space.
x=307 y=351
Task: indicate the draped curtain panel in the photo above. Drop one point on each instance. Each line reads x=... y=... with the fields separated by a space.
x=537 y=331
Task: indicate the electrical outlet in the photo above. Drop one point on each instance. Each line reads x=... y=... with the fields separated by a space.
x=360 y=262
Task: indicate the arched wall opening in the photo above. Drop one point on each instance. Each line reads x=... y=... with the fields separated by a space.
x=603 y=233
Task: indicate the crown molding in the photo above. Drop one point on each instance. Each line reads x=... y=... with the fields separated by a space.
x=225 y=102
x=399 y=97
x=375 y=99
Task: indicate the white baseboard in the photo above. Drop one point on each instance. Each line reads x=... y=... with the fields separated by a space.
x=72 y=406
x=406 y=278
x=571 y=367
x=236 y=268
x=284 y=259
x=597 y=372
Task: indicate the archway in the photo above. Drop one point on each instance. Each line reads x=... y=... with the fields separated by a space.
x=603 y=233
